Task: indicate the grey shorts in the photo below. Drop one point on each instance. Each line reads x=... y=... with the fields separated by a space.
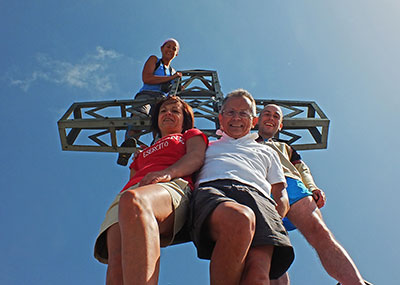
x=180 y=196
x=152 y=96
x=269 y=227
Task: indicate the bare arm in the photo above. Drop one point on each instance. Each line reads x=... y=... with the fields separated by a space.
x=279 y=193
x=189 y=163
x=149 y=78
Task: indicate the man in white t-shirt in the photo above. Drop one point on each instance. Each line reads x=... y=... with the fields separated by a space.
x=235 y=222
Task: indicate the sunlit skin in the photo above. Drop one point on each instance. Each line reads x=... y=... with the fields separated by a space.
x=305 y=215
x=146 y=214
x=169 y=51
x=236 y=126
x=232 y=225
x=170 y=119
x=270 y=121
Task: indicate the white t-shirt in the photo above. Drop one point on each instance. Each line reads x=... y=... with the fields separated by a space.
x=243 y=160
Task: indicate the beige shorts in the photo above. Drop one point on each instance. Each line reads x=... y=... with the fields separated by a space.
x=180 y=195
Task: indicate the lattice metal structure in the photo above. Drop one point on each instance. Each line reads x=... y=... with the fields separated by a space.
x=100 y=126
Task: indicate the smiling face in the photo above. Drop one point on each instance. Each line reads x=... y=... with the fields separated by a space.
x=170 y=118
x=236 y=118
x=270 y=121
x=169 y=50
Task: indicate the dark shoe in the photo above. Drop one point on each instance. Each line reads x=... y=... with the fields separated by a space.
x=123 y=158
x=365 y=281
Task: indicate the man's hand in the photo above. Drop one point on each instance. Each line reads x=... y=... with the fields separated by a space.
x=319 y=197
x=155 y=177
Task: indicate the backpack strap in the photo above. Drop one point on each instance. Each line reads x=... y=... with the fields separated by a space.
x=158 y=63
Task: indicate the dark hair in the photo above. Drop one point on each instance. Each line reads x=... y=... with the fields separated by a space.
x=188 y=116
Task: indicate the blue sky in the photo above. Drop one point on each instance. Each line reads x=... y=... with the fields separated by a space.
x=342 y=54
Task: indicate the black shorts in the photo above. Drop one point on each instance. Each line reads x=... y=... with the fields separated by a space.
x=269 y=227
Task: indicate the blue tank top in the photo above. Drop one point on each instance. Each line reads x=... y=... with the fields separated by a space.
x=160 y=70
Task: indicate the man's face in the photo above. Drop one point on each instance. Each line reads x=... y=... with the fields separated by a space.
x=270 y=121
x=236 y=119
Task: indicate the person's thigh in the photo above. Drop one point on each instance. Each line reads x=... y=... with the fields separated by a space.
x=305 y=214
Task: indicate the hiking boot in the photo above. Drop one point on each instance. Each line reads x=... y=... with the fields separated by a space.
x=123 y=158
x=365 y=281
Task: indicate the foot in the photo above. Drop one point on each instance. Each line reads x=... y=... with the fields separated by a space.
x=123 y=158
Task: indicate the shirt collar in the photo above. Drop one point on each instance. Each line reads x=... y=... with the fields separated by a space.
x=248 y=137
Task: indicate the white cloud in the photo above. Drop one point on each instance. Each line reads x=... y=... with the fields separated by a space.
x=90 y=72
x=25 y=84
x=102 y=53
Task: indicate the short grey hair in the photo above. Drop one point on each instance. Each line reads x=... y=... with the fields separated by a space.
x=242 y=94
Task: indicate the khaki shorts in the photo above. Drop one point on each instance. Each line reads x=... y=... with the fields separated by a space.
x=180 y=195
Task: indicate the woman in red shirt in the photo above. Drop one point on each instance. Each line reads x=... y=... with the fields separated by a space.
x=153 y=206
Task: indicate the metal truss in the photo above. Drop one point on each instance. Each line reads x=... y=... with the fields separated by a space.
x=305 y=126
x=100 y=126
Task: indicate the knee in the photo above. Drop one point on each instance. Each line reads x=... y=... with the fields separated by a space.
x=235 y=221
x=245 y=218
x=239 y=220
x=133 y=205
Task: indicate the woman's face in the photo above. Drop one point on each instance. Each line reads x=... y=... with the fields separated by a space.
x=169 y=50
x=170 y=118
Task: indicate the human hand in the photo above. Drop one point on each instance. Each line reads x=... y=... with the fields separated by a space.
x=177 y=74
x=319 y=197
x=155 y=177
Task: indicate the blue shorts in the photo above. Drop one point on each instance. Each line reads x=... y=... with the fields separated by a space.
x=296 y=191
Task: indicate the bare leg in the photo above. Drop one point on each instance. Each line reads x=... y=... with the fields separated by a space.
x=114 y=269
x=258 y=263
x=144 y=214
x=283 y=280
x=232 y=226
x=306 y=216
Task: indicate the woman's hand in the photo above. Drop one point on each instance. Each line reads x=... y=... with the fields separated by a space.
x=155 y=177
x=176 y=75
